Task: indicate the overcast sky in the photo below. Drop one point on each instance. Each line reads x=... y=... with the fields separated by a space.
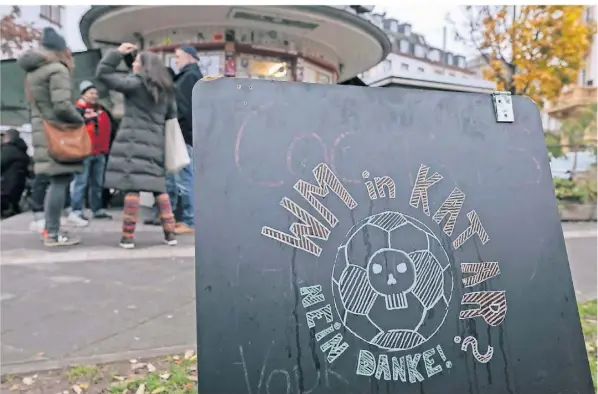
x=428 y=20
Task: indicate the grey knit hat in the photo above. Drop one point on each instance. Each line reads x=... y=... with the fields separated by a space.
x=84 y=86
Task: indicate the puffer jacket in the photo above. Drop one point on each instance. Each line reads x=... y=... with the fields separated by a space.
x=51 y=99
x=136 y=160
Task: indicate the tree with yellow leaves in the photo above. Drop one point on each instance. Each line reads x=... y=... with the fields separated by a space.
x=530 y=50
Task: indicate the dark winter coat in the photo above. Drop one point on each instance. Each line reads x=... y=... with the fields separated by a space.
x=184 y=82
x=15 y=168
x=51 y=91
x=136 y=159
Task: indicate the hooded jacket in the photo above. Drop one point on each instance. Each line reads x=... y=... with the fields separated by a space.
x=50 y=98
x=136 y=159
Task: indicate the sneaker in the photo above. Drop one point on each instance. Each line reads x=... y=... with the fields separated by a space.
x=183 y=229
x=127 y=243
x=77 y=220
x=170 y=239
x=102 y=215
x=61 y=239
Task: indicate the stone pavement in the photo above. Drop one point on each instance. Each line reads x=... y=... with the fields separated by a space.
x=97 y=303
x=93 y=302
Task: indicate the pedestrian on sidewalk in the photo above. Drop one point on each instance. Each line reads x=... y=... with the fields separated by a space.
x=49 y=68
x=15 y=171
x=171 y=189
x=99 y=127
x=186 y=60
x=39 y=188
x=136 y=161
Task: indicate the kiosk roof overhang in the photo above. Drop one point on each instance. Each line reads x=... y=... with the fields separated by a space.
x=358 y=43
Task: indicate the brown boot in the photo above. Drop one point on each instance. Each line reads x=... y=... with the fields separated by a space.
x=182 y=229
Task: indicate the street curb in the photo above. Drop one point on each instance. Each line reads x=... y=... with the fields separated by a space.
x=580 y=234
x=25 y=257
x=27 y=367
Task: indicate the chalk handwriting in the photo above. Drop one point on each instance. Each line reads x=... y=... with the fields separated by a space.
x=309 y=227
x=420 y=189
x=472 y=342
x=302 y=232
x=281 y=380
x=475 y=228
x=451 y=207
x=412 y=368
x=376 y=188
x=481 y=272
x=335 y=345
x=326 y=181
x=491 y=306
x=369 y=185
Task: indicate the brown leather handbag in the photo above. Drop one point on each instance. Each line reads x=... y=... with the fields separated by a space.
x=65 y=143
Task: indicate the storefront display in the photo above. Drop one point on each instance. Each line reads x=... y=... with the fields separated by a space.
x=315 y=74
x=210 y=63
x=261 y=67
x=240 y=56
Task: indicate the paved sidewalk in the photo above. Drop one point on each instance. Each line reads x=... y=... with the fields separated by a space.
x=93 y=302
x=96 y=302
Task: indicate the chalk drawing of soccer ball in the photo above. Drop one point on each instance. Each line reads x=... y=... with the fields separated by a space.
x=392 y=281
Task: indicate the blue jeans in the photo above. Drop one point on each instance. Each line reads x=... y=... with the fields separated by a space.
x=92 y=177
x=181 y=184
x=184 y=188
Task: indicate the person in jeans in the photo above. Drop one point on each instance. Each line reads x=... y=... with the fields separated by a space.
x=48 y=80
x=91 y=180
x=136 y=160
x=186 y=60
x=39 y=188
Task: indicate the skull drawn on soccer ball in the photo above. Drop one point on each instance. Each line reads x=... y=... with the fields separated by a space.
x=392 y=281
x=392 y=275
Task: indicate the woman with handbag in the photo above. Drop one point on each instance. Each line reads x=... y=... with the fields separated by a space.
x=136 y=161
x=54 y=122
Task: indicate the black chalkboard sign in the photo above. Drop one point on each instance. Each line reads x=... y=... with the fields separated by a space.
x=368 y=240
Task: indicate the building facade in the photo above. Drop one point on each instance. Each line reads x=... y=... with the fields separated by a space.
x=415 y=63
x=317 y=44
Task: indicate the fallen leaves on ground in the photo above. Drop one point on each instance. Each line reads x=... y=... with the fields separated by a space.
x=172 y=374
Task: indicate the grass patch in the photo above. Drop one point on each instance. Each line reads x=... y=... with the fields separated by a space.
x=588 y=314
x=179 y=378
x=82 y=372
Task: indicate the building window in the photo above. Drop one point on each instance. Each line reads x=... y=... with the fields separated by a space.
x=404 y=66
x=591 y=82
x=449 y=58
x=407 y=30
x=386 y=66
x=451 y=74
x=394 y=26
x=434 y=56
x=420 y=69
x=404 y=46
x=51 y=13
x=419 y=51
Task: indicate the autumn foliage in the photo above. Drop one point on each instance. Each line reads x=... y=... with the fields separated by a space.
x=15 y=36
x=529 y=50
